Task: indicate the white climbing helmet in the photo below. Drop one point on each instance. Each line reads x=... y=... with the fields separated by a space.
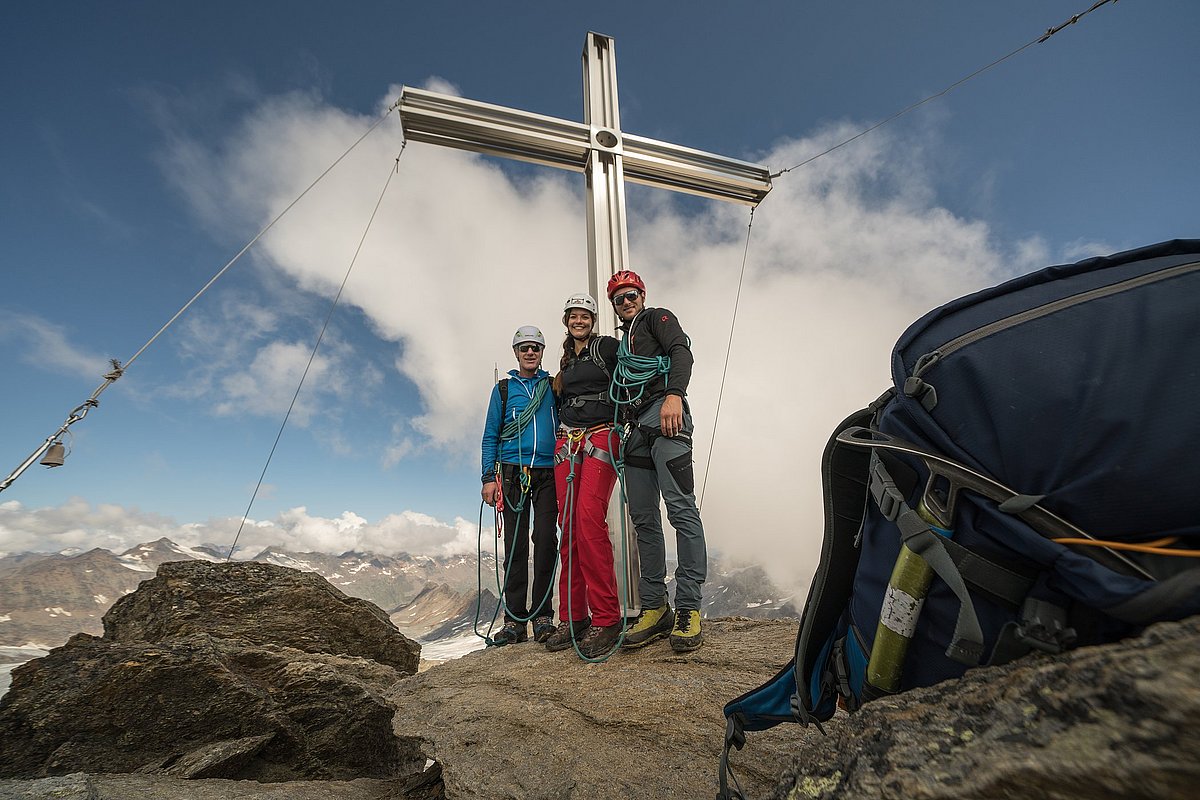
x=580 y=300
x=528 y=333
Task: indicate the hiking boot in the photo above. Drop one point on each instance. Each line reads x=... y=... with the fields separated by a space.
x=511 y=633
x=600 y=642
x=565 y=633
x=543 y=627
x=651 y=624
x=686 y=635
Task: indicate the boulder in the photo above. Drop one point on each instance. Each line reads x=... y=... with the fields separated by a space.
x=1117 y=721
x=218 y=670
x=259 y=603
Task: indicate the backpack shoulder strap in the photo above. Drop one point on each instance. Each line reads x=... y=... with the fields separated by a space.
x=502 y=387
x=789 y=696
x=597 y=359
x=845 y=475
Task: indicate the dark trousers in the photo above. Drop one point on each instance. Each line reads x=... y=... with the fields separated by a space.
x=543 y=505
x=657 y=466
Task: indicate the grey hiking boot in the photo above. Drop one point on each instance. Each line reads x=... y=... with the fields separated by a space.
x=543 y=628
x=511 y=633
x=566 y=632
x=651 y=624
x=686 y=635
x=600 y=642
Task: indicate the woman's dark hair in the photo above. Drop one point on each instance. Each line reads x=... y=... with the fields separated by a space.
x=569 y=352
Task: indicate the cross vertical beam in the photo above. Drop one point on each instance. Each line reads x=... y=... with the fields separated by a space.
x=607 y=232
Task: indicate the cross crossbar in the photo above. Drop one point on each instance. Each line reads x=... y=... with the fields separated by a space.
x=450 y=121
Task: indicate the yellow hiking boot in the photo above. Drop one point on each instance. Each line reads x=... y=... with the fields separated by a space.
x=686 y=635
x=651 y=624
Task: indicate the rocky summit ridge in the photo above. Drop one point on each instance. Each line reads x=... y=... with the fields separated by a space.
x=45 y=598
x=255 y=681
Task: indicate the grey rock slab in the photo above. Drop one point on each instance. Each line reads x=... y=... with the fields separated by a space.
x=1114 y=721
x=521 y=722
x=80 y=786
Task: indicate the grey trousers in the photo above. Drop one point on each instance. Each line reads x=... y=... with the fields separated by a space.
x=659 y=466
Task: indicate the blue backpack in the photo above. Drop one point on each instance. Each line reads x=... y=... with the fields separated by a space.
x=1030 y=483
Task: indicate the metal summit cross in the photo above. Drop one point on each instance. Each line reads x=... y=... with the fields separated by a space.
x=597 y=147
x=607 y=156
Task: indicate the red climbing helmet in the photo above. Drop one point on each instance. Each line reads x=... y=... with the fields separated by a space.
x=625 y=278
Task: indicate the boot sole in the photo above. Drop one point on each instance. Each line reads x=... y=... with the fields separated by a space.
x=688 y=645
x=506 y=643
x=554 y=648
x=628 y=645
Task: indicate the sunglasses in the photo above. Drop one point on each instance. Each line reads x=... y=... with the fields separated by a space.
x=528 y=347
x=621 y=299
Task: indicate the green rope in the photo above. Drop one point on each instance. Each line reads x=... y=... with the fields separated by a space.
x=503 y=602
x=634 y=372
x=513 y=428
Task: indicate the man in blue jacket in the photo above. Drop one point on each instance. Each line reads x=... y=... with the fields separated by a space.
x=518 y=474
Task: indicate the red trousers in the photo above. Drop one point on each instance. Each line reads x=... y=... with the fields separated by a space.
x=587 y=583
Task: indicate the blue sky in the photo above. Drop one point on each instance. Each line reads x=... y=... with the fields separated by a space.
x=143 y=143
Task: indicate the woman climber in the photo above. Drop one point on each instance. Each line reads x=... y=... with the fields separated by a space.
x=584 y=475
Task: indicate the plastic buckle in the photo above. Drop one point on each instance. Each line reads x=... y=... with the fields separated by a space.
x=921 y=391
x=884 y=492
x=1043 y=627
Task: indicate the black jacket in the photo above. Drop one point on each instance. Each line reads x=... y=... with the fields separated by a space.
x=654 y=332
x=585 y=401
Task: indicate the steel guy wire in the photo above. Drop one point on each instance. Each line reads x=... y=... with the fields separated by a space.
x=1049 y=32
x=725 y=370
x=392 y=171
x=118 y=369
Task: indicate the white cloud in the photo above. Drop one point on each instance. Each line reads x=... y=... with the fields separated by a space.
x=269 y=382
x=78 y=524
x=46 y=344
x=845 y=253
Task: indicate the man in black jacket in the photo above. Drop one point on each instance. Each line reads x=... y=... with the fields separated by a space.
x=658 y=462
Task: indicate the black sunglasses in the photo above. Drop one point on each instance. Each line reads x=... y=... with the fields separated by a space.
x=621 y=299
x=526 y=347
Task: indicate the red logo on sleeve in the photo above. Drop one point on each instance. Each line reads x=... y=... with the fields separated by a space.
x=665 y=318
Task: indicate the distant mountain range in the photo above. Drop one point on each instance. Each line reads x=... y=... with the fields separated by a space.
x=46 y=598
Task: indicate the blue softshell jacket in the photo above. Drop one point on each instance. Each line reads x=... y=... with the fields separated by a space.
x=535 y=446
